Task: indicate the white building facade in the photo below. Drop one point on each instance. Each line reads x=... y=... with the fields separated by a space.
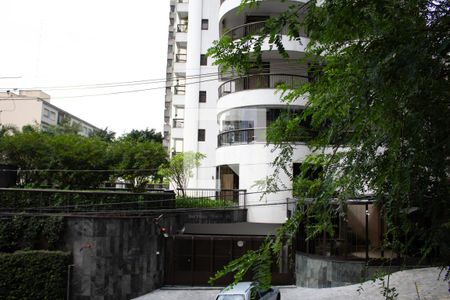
x=33 y=107
x=227 y=118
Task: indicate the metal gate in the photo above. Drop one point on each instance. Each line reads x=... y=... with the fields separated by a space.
x=193 y=259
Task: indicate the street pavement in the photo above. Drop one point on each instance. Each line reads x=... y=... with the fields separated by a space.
x=422 y=284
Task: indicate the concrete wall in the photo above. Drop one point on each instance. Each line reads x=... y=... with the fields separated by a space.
x=20 y=111
x=122 y=258
x=321 y=272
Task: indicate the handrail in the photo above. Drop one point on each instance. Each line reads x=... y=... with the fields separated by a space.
x=251 y=28
x=260 y=81
x=241 y=136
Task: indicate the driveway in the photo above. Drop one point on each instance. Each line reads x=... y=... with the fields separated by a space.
x=408 y=284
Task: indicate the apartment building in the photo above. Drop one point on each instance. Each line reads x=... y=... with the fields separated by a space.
x=226 y=117
x=33 y=107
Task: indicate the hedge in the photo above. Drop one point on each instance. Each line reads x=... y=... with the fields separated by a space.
x=33 y=275
x=73 y=200
x=32 y=233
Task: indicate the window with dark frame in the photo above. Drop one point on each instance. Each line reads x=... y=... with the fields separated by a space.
x=205 y=24
x=203 y=60
x=202 y=97
x=201 y=135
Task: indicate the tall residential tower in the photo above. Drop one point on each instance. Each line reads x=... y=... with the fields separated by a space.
x=226 y=117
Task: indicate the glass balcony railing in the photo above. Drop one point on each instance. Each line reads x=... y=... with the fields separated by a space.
x=180 y=89
x=253 y=28
x=241 y=136
x=180 y=58
x=178 y=123
x=261 y=81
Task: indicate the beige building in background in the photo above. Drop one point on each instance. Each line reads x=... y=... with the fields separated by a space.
x=33 y=107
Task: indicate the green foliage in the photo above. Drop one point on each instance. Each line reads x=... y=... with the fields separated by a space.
x=180 y=168
x=259 y=262
x=66 y=127
x=145 y=135
x=27 y=232
x=184 y=202
x=45 y=152
x=379 y=108
x=33 y=275
x=104 y=135
x=59 y=157
x=6 y=129
x=62 y=200
x=138 y=160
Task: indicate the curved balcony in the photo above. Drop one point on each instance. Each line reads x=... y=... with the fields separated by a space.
x=253 y=28
x=241 y=136
x=260 y=81
x=293 y=46
x=232 y=13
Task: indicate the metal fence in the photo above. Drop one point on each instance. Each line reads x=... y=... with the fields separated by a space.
x=212 y=197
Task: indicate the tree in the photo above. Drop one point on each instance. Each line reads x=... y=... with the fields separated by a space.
x=180 y=168
x=6 y=129
x=56 y=160
x=137 y=161
x=143 y=136
x=379 y=102
x=104 y=134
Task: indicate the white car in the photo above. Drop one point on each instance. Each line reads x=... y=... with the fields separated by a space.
x=242 y=291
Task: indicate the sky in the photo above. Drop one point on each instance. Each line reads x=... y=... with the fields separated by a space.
x=72 y=48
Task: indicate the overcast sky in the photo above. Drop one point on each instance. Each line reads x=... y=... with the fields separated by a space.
x=55 y=43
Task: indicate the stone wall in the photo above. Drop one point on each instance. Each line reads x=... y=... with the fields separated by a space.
x=114 y=258
x=123 y=257
x=324 y=272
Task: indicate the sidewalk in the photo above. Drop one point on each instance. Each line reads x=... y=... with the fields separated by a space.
x=429 y=287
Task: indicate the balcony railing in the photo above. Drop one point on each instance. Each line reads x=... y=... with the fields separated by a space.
x=180 y=89
x=180 y=57
x=241 y=136
x=253 y=28
x=178 y=123
x=183 y=1
x=261 y=81
x=212 y=198
x=182 y=27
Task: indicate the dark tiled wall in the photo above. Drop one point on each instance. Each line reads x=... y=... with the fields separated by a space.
x=123 y=258
x=114 y=258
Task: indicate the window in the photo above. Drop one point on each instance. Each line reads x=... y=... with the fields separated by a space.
x=52 y=116
x=204 y=24
x=172 y=8
x=201 y=135
x=202 y=97
x=203 y=60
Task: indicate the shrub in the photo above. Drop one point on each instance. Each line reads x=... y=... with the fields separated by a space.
x=29 y=232
x=33 y=275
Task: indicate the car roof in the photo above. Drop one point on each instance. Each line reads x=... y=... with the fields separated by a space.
x=239 y=288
